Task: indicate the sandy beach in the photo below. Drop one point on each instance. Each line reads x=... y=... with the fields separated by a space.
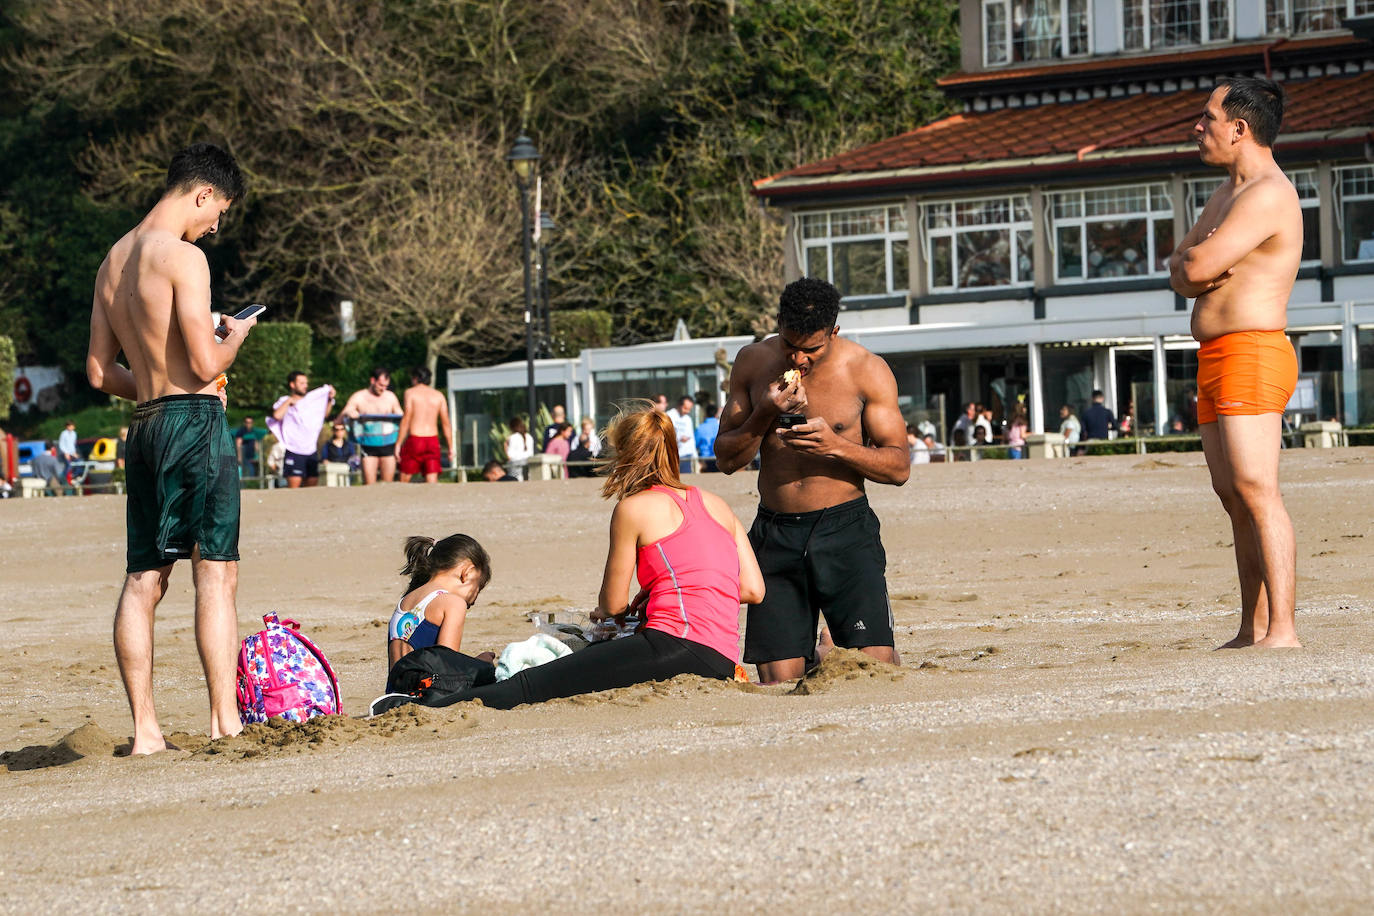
x=1059 y=737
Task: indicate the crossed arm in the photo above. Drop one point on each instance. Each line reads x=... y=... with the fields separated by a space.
x=1208 y=254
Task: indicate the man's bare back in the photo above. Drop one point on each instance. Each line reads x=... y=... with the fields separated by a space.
x=423 y=405
x=152 y=302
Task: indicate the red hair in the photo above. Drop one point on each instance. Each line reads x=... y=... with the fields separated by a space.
x=643 y=451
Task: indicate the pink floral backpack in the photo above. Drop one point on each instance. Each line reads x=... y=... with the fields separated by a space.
x=282 y=673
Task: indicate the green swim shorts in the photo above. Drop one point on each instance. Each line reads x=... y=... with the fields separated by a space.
x=182 y=477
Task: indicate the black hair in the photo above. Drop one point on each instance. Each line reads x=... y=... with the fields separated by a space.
x=292 y=376
x=420 y=374
x=205 y=163
x=379 y=371
x=426 y=556
x=492 y=464
x=1097 y=393
x=1258 y=101
x=808 y=305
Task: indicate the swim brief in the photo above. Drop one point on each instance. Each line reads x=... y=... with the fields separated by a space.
x=1245 y=373
x=182 y=478
x=828 y=562
x=379 y=451
x=295 y=464
x=420 y=455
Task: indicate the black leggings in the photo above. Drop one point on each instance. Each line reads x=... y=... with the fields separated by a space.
x=647 y=656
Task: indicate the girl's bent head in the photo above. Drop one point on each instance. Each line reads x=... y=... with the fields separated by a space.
x=426 y=558
x=643 y=445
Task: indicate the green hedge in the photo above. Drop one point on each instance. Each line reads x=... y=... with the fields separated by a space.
x=7 y=364
x=258 y=375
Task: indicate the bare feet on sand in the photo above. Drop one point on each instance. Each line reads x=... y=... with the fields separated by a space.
x=1286 y=641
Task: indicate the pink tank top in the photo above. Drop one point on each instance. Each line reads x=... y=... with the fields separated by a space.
x=693 y=579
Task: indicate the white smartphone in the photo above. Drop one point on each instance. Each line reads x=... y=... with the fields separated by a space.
x=252 y=311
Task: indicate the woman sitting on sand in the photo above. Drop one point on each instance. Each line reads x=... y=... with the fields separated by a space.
x=445 y=579
x=695 y=567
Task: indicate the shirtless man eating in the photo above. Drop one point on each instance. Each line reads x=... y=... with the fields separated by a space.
x=1239 y=263
x=372 y=405
x=816 y=538
x=152 y=301
x=425 y=415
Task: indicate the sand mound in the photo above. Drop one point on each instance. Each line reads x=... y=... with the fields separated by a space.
x=277 y=737
x=842 y=665
x=680 y=687
x=1152 y=464
x=90 y=740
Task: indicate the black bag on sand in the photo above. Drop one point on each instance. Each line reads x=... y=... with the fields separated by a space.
x=432 y=676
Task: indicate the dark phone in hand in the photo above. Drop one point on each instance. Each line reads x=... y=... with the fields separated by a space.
x=789 y=420
x=251 y=311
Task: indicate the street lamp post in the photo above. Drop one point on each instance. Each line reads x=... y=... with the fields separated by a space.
x=546 y=225
x=523 y=158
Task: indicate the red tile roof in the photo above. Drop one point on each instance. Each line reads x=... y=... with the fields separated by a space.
x=1141 y=121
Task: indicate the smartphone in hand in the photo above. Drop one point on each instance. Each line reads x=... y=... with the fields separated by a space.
x=252 y=311
x=789 y=420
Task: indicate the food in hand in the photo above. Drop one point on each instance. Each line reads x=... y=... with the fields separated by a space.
x=791 y=377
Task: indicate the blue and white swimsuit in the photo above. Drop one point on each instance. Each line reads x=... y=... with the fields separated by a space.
x=412 y=626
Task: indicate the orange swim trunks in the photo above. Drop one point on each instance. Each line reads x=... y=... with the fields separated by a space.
x=1245 y=373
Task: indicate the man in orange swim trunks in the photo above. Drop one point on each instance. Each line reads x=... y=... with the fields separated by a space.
x=1239 y=263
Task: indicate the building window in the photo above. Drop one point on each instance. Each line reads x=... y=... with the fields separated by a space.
x=1356 y=213
x=1147 y=24
x=1299 y=16
x=1305 y=181
x=1019 y=30
x=971 y=244
x=863 y=252
x=1110 y=233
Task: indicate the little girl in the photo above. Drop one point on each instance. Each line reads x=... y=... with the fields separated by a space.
x=445 y=579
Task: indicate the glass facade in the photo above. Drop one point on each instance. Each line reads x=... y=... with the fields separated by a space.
x=1155 y=24
x=1112 y=233
x=863 y=252
x=979 y=243
x=1029 y=30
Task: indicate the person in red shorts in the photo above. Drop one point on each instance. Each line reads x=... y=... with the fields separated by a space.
x=1239 y=263
x=425 y=415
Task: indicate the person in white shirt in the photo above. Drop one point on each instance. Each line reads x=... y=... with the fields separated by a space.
x=66 y=445
x=1069 y=428
x=519 y=449
x=686 y=433
x=916 y=445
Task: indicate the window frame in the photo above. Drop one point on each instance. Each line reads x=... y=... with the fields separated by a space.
x=1204 y=22
x=1194 y=205
x=889 y=236
x=1082 y=221
x=1338 y=186
x=1287 y=27
x=1013 y=226
x=1008 y=39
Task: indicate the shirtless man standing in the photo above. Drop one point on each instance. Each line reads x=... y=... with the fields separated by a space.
x=1239 y=262
x=816 y=538
x=426 y=413
x=152 y=300
x=377 y=400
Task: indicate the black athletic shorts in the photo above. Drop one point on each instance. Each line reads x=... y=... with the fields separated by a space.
x=379 y=451
x=827 y=563
x=294 y=465
x=183 y=481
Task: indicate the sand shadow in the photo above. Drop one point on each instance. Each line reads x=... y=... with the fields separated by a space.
x=87 y=741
